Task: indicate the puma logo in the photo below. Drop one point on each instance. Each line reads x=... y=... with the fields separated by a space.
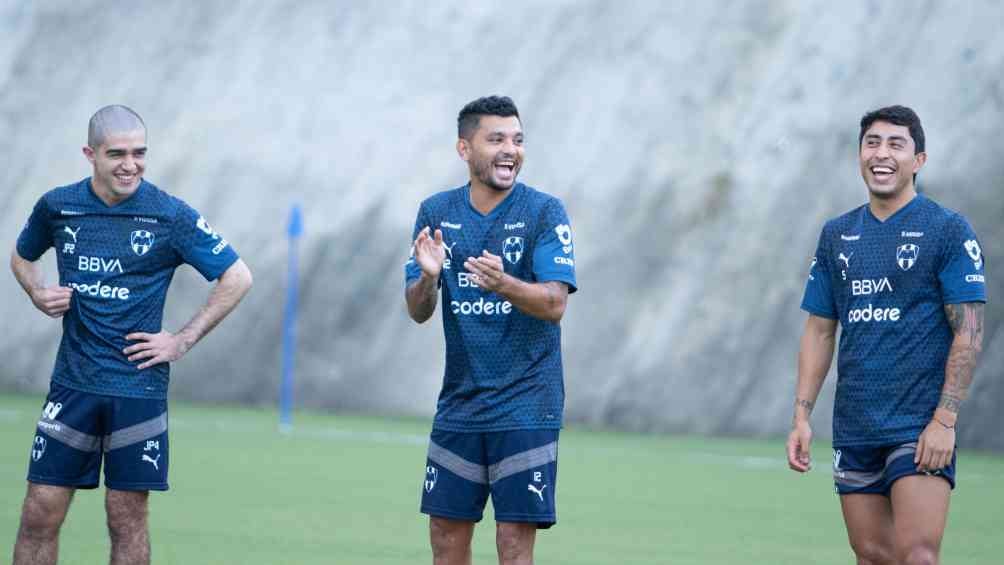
x=846 y=259
x=72 y=233
x=449 y=249
x=534 y=490
x=152 y=461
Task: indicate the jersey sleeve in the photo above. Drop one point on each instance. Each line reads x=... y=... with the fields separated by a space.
x=962 y=274
x=36 y=236
x=818 y=297
x=553 y=250
x=412 y=270
x=200 y=245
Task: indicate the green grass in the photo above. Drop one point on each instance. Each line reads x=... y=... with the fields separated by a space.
x=345 y=490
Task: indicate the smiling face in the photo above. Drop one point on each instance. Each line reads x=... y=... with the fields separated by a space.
x=494 y=151
x=119 y=162
x=889 y=160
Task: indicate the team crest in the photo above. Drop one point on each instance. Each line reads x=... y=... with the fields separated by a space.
x=38 y=448
x=906 y=255
x=512 y=249
x=431 y=476
x=141 y=241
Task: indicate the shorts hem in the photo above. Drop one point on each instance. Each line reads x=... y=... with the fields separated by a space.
x=438 y=513
x=57 y=482
x=542 y=521
x=950 y=481
x=870 y=489
x=137 y=486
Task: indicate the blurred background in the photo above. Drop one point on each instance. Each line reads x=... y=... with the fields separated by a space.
x=698 y=148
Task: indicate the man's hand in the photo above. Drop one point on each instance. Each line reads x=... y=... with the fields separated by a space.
x=489 y=274
x=934 y=447
x=430 y=253
x=162 y=347
x=53 y=301
x=799 y=439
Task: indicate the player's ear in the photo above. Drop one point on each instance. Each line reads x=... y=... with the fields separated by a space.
x=918 y=161
x=89 y=153
x=464 y=149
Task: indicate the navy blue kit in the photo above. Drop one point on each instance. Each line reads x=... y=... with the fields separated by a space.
x=119 y=260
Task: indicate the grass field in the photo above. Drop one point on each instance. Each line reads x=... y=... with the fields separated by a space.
x=345 y=490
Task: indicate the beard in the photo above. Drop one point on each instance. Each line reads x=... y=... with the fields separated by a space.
x=484 y=172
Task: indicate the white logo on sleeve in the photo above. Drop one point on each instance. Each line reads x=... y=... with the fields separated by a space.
x=975 y=253
x=564 y=232
x=811 y=267
x=204 y=226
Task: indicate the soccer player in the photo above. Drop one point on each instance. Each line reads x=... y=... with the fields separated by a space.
x=904 y=278
x=502 y=253
x=117 y=240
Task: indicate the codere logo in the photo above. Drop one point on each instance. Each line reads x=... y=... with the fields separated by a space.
x=99 y=290
x=872 y=314
x=481 y=307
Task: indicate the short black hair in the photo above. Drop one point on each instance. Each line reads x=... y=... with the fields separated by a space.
x=896 y=115
x=470 y=115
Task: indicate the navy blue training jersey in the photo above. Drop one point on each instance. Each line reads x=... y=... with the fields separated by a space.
x=119 y=260
x=503 y=367
x=887 y=283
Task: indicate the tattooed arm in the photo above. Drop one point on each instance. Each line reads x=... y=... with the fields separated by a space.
x=814 y=357
x=966 y=320
x=937 y=442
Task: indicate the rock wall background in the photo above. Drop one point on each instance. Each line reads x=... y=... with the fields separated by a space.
x=698 y=149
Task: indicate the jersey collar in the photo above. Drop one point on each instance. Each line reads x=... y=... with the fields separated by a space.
x=913 y=203
x=101 y=203
x=499 y=208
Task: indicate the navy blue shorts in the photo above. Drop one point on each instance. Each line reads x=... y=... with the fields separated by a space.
x=78 y=429
x=518 y=468
x=873 y=470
